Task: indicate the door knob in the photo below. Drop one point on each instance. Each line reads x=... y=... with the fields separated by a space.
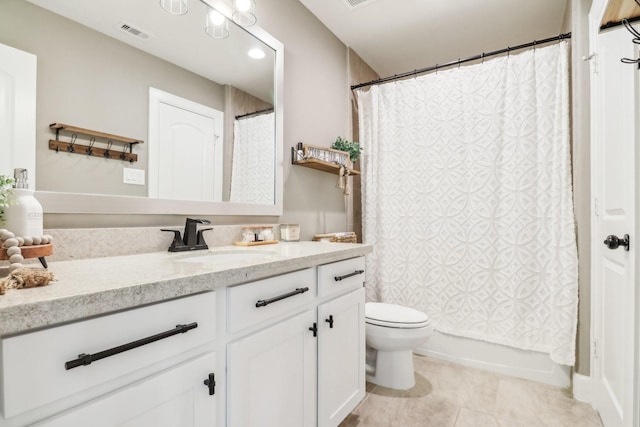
x=614 y=242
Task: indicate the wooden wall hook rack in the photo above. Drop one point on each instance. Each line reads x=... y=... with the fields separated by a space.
x=125 y=153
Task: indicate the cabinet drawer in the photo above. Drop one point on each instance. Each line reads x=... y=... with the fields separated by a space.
x=339 y=277
x=259 y=301
x=34 y=364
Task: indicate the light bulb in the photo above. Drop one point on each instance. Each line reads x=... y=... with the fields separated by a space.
x=243 y=5
x=216 y=17
x=256 y=53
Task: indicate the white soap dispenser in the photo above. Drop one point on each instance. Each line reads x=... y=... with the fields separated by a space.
x=24 y=216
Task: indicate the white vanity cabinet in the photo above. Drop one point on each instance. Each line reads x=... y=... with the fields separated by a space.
x=341 y=340
x=301 y=360
x=138 y=367
x=271 y=370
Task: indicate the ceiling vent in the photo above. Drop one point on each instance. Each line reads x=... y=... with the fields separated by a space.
x=352 y=4
x=134 y=31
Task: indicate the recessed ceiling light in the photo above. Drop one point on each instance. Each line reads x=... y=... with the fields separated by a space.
x=256 y=53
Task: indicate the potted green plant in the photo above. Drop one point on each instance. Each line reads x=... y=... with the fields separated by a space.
x=353 y=148
x=5 y=195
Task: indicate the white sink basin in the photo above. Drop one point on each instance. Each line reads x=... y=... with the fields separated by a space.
x=230 y=256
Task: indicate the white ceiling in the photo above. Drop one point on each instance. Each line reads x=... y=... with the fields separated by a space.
x=396 y=36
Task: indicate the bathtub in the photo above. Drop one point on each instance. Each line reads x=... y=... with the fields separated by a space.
x=530 y=365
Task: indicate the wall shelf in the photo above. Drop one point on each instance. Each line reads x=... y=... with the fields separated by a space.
x=320 y=165
x=125 y=153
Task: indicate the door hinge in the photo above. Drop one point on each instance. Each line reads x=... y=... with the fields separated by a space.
x=595 y=207
x=595 y=349
x=211 y=383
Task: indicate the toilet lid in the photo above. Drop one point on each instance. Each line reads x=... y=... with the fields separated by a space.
x=394 y=316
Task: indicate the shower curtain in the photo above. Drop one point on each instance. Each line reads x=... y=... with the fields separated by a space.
x=253 y=168
x=467 y=200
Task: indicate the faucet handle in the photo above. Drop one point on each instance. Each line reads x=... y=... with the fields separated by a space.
x=200 y=239
x=177 y=240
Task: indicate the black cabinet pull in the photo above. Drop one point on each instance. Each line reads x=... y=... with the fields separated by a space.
x=87 y=359
x=346 y=276
x=211 y=383
x=314 y=329
x=330 y=321
x=263 y=302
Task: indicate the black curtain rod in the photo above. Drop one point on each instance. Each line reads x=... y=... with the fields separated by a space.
x=255 y=113
x=461 y=61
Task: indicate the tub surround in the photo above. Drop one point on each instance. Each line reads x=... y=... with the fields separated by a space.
x=91 y=287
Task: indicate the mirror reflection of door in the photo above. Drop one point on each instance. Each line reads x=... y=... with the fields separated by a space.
x=17 y=111
x=185 y=149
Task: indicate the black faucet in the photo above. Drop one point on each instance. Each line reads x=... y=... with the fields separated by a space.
x=192 y=238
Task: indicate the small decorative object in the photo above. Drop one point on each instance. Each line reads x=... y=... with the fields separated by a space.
x=344 y=237
x=25 y=278
x=290 y=232
x=353 y=148
x=254 y=235
x=6 y=192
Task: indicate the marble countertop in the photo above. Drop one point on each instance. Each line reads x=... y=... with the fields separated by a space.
x=91 y=287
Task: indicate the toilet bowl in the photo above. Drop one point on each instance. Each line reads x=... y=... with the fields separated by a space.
x=392 y=332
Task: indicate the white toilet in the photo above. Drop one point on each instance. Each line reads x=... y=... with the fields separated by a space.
x=392 y=332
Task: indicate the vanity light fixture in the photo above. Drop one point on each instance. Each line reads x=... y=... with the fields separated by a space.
x=244 y=12
x=216 y=25
x=175 y=7
x=256 y=53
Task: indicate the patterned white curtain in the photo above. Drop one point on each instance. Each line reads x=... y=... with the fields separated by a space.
x=467 y=200
x=252 y=174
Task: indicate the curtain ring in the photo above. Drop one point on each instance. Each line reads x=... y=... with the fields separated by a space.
x=459 y=63
x=483 y=57
x=107 y=153
x=70 y=148
x=90 y=147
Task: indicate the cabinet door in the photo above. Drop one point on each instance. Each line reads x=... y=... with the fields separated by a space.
x=271 y=376
x=341 y=357
x=175 y=397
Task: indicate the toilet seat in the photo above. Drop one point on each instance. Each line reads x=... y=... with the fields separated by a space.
x=394 y=316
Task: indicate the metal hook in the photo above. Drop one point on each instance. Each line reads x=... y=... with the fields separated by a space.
x=631 y=61
x=90 y=147
x=633 y=31
x=73 y=142
x=107 y=153
x=123 y=155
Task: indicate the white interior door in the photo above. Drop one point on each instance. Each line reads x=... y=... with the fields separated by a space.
x=185 y=149
x=17 y=112
x=614 y=297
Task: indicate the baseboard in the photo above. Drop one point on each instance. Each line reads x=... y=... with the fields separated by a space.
x=582 y=388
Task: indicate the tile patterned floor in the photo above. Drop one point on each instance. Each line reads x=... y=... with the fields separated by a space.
x=450 y=395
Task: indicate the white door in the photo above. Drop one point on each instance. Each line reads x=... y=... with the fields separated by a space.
x=271 y=376
x=614 y=297
x=175 y=397
x=341 y=357
x=17 y=112
x=185 y=149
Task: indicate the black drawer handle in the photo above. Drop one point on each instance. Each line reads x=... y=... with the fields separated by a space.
x=263 y=302
x=87 y=359
x=346 y=276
